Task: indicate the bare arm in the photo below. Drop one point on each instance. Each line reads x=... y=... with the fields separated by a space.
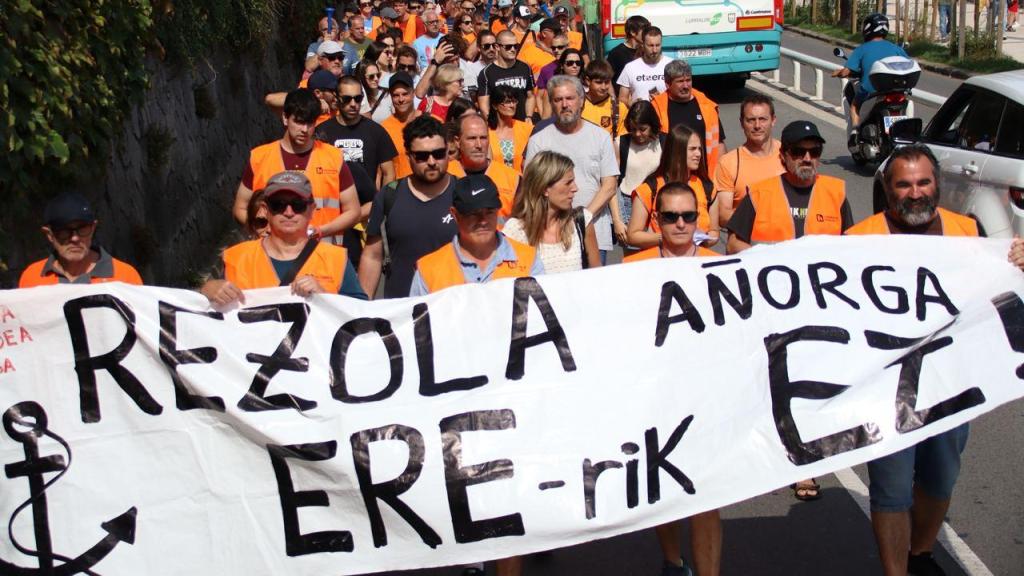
x=311 y=63
x=604 y=195
x=530 y=102
x=370 y=265
x=735 y=245
x=387 y=173
x=543 y=104
x=638 y=235
x=423 y=86
x=618 y=227
x=241 y=207
x=714 y=228
x=593 y=253
x=484 y=103
x=221 y=293
x=625 y=95
x=275 y=100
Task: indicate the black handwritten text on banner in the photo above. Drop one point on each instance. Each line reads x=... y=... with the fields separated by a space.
x=154 y=435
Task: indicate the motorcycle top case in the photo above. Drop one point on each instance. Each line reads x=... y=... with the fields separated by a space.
x=894 y=73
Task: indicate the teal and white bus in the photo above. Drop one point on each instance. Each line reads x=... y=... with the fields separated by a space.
x=729 y=38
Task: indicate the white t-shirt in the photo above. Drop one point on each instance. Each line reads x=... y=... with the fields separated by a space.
x=640 y=77
x=555 y=257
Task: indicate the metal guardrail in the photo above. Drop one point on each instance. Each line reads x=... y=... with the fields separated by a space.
x=820 y=67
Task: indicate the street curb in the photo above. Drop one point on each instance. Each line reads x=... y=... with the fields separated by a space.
x=943 y=69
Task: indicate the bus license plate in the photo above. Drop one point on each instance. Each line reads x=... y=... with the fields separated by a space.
x=888 y=121
x=693 y=52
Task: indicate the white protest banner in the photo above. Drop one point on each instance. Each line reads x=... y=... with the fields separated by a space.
x=146 y=434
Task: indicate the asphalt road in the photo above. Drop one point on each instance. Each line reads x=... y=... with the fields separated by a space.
x=774 y=534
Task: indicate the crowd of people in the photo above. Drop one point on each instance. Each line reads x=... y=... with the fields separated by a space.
x=431 y=145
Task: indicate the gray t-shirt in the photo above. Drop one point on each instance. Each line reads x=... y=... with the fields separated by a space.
x=591 y=151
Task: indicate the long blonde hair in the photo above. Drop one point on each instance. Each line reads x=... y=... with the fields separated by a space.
x=531 y=205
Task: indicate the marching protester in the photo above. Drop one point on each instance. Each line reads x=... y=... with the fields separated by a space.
x=624 y=53
x=326 y=33
x=644 y=77
x=474 y=158
x=543 y=216
x=360 y=139
x=479 y=252
x=590 y=149
x=287 y=256
x=676 y=212
x=509 y=135
x=400 y=91
x=356 y=44
x=412 y=214
x=369 y=74
x=577 y=40
x=759 y=156
x=540 y=53
x=507 y=70
x=681 y=103
x=334 y=195
x=69 y=226
x=427 y=43
x=601 y=106
x=569 y=63
x=680 y=162
x=486 y=50
x=640 y=151
x=910 y=490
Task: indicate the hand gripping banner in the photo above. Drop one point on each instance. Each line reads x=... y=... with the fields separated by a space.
x=144 y=433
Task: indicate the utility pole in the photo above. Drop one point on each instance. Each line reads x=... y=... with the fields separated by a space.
x=961 y=31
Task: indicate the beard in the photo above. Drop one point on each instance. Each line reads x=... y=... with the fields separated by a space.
x=567 y=119
x=916 y=211
x=805 y=172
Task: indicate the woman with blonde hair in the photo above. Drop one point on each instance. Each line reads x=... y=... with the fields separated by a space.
x=447 y=86
x=543 y=216
x=682 y=160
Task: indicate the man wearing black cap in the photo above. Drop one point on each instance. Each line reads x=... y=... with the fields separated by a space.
x=566 y=16
x=400 y=91
x=325 y=86
x=479 y=252
x=287 y=256
x=798 y=202
x=539 y=54
x=69 y=225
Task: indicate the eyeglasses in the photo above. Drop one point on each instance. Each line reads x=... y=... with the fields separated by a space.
x=407 y=67
x=574 y=62
x=365 y=4
x=459 y=81
x=429 y=22
x=688 y=217
x=421 y=156
x=799 y=151
x=358 y=98
x=334 y=57
x=64 y=234
x=416 y=7
x=508 y=46
x=467 y=22
x=488 y=45
x=372 y=76
x=559 y=46
x=278 y=205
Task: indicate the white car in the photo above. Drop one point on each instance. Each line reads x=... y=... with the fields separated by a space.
x=978 y=138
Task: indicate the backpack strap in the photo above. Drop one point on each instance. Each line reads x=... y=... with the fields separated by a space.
x=389 y=194
x=623 y=155
x=580 y=221
x=709 y=190
x=299 y=262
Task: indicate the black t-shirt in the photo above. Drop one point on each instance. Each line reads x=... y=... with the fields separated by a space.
x=689 y=114
x=367 y=142
x=415 y=228
x=742 y=222
x=618 y=57
x=519 y=76
x=365 y=190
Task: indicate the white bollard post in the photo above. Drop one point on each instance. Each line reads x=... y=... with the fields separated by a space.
x=910 y=108
x=796 y=76
x=776 y=76
x=819 y=84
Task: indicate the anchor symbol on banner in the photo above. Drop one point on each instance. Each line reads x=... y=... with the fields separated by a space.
x=25 y=422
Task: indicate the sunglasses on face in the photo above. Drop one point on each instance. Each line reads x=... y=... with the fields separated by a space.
x=372 y=76
x=507 y=46
x=64 y=234
x=407 y=67
x=334 y=57
x=688 y=217
x=365 y=4
x=422 y=156
x=800 y=151
x=358 y=98
x=573 y=62
x=279 y=205
x=467 y=22
x=559 y=46
x=487 y=46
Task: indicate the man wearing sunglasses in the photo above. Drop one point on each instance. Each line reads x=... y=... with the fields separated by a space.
x=287 y=256
x=334 y=193
x=566 y=17
x=323 y=35
x=410 y=218
x=69 y=226
x=506 y=70
x=799 y=202
x=540 y=53
x=360 y=139
x=411 y=25
x=370 y=22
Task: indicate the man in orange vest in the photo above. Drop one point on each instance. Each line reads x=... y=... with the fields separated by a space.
x=411 y=25
x=474 y=158
x=566 y=16
x=910 y=490
x=676 y=211
x=479 y=252
x=287 y=256
x=334 y=193
x=798 y=202
x=400 y=91
x=680 y=103
x=69 y=225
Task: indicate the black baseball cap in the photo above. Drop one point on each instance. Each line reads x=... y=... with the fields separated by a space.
x=800 y=130
x=67 y=208
x=400 y=77
x=475 y=192
x=551 y=24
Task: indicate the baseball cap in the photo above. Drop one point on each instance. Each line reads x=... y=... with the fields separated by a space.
x=67 y=208
x=475 y=192
x=504 y=3
x=523 y=11
x=322 y=80
x=289 y=181
x=400 y=77
x=799 y=130
x=561 y=11
x=389 y=13
x=551 y=24
x=329 y=47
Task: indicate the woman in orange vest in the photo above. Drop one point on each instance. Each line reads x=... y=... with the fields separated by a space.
x=508 y=135
x=286 y=256
x=681 y=161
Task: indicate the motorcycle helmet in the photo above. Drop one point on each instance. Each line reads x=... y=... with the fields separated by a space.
x=875 y=25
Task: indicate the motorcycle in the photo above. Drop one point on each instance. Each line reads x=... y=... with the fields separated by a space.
x=893 y=78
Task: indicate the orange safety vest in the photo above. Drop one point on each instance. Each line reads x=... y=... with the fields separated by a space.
x=953 y=224
x=655 y=252
x=504 y=178
x=644 y=193
x=248 y=266
x=575 y=39
x=441 y=268
x=520 y=136
x=394 y=127
x=409 y=33
x=497 y=25
x=708 y=109
x=323 y=170
x=33 y=276
x=773 y=221
x=375 y=24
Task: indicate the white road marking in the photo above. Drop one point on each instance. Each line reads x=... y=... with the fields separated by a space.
x=957 y=548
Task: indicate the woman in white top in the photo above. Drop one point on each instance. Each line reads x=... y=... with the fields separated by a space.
x=543 y=216
x=639 y=157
